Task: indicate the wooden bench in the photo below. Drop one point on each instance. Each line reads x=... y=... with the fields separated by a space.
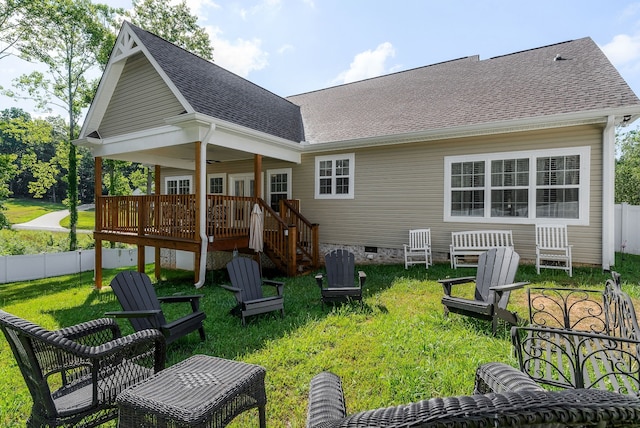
x=581 y=339
x=468 y=245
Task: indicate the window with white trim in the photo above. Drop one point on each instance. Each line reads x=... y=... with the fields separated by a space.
x=519 y=187
x=335 y=176
x=178 y=185
x=278 y=186
x=216 y=184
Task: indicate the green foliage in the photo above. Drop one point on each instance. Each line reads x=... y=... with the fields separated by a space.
x=7 y=170
x=398 y=348
x=23 y=242
x=174 y=23
x=74 y=37
x=14 y=24
x=627 y=187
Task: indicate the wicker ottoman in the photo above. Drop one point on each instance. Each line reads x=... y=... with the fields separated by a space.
x=200 y=391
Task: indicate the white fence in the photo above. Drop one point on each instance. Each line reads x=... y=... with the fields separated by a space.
x=627 y=227
x=38 y=266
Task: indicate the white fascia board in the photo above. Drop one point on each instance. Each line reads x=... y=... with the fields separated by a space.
x=509 y=126
x=164 y=136
x=238 y=137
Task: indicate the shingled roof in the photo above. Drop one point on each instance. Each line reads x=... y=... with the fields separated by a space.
x=216 y=92
x=468 y=91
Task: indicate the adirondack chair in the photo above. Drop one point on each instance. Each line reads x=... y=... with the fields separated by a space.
x=418 y=250
x=74 y=374
x=341 y=284
x=247 y=288
x=142 y=307
x=552 y=248
x=494 y=283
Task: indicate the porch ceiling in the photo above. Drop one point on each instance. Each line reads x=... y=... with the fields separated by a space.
x=182 y=155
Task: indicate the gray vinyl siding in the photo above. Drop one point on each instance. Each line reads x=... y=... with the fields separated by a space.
x=401 y=187
x=398 y=188
x=140 y=90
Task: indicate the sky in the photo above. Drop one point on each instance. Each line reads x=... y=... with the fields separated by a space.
x=294 y=46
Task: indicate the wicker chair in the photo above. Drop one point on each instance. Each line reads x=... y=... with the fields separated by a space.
x=74 y=374
x=528 y=407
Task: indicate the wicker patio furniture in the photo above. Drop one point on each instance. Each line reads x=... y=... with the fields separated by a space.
x=74 y=374
x=200 y=391
x=524 y=408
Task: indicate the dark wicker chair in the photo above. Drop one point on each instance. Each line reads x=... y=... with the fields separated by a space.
x=494 y=283
x=247 y=288
x=527 y=407
x=143 y=307
x=74 y=374
x=341 y=282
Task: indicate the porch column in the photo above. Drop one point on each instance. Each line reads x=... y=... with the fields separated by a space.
x=199 y=207
x=97 y=190
x=257 y=176
x=158 y=266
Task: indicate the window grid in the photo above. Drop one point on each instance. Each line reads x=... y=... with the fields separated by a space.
x=335 y=176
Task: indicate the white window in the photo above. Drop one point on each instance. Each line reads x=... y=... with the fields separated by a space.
x=278 y=186
x=216 y=184
x=519 y=187
x=178 y=185
x=335 y=176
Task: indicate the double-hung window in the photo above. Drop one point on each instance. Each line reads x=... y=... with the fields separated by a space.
x=178 y=185
x=216 y=184
x=279 y=186
x=519 y=187
x=335 y=176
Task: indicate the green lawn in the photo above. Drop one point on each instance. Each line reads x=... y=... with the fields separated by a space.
x=399 y=348
x=24 y=210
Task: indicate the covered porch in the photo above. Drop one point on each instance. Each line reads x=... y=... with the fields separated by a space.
x=196 y=221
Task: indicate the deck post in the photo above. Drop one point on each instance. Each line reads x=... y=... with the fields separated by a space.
x=292 y=267
x=157 y=262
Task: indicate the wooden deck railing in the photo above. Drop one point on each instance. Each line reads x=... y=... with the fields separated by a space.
x=307 y=241
x=287 y=235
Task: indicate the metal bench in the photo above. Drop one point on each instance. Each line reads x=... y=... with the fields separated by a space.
x=577 y=339
x=466 y=246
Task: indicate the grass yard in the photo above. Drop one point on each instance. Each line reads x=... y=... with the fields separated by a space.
x=24 y=210
x=398 y=348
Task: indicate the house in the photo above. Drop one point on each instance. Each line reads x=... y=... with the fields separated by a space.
x=499 y=143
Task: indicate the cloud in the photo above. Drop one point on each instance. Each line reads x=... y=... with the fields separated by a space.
x=623 y=50
x=262 y=8
x=240 y=56
x=285 y=48
x=367 y=64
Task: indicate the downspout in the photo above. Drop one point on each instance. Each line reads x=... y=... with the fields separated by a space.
x=204 y=239
x=608 y=193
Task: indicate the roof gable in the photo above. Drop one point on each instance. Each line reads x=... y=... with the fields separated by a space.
x=468 y=92
x=216 y=92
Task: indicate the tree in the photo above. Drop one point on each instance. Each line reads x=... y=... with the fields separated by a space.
x=173 y=23
x=627 y=187
x=7 y=170
x=14 y=25
x=74 y=38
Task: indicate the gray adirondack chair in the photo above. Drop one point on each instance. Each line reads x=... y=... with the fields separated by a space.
x=341 y=282
x=494 y=283
x=142 y=307
x=246 y=282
